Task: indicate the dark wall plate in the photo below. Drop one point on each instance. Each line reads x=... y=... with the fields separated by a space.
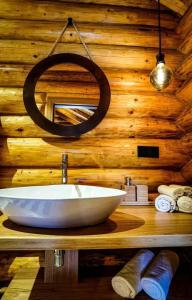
x=58 y=129
x=148 y=151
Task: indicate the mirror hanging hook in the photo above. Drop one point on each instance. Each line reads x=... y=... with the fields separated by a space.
x=70 y=22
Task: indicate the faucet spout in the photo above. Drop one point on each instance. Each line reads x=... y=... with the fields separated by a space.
x=64 y=166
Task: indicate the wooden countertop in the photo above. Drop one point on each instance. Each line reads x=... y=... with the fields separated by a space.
x=128 y=227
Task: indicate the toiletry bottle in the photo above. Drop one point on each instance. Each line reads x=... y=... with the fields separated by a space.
x=131 y=191
x=142 y=193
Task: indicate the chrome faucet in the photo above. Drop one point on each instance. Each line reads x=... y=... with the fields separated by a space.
x=59 y=254
x=64 y=166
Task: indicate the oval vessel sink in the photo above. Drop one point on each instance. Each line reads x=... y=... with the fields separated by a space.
x=59 y=206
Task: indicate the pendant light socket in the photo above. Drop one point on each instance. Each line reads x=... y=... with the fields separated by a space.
x=161 y=75
x=160 y=58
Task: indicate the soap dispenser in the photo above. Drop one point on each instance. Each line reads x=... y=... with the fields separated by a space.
x=131 y=192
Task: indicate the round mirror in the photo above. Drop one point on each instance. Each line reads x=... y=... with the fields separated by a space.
x=66 y=94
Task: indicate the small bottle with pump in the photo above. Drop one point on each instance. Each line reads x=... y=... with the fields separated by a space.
x=131 y=192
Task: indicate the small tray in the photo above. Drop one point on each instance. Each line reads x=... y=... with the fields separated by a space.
x=137 y=203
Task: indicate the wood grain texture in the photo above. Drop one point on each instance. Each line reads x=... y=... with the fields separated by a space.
x=23 y=126
x=187 y=172
x=185 y=120
x=187 y=142
x=12 y=262
x=124 y=35
x=130 y=227
x=186 y=45
x=99 y=287
x=123 y=41
x=12 y=177
x=30 y=52
x=90 y=152
x=184 y=71
x=121 y=81
x=68 y=272
x=148 y=4
x=11 y=101
x=185 y=91
x=60 y=11
x=185 y=24
x=134 y=104
x=22 y=284
x=177 y=5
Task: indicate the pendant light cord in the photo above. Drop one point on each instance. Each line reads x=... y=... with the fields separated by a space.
x=159 y=27
x=70 y=22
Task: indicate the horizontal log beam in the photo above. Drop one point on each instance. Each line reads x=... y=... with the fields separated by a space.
x=185 y=91
x=184 y=71
x=185 y=24
x=187 y=143
x=138 y=104
x=104 y=35
x=10 y=177
x=185 y=120
x=30 y=52
x=23 y=126
x=11 y=101
x=187 y=172
x=148 y=4
x=58 y=11
x=177 y=6
x=124 y=81
x=145 y=105
x=186 y=46
x=90 y=152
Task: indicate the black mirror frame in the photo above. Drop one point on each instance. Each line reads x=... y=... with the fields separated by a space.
x=71 y=130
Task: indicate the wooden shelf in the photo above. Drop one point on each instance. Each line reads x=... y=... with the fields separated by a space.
x=128 y=227
x=28 y=284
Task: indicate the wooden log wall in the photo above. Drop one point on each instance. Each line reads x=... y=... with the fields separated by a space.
x=122 y=38
x=184 y=92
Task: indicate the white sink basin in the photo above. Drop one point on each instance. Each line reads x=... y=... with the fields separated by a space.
x=59 y=206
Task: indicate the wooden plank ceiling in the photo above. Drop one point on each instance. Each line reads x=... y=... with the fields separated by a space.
x=178 y=6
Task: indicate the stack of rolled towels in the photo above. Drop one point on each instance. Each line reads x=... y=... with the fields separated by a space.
x=147 y=272
x=174 y=198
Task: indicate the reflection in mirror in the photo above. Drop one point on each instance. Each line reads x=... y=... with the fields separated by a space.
x=67 y=94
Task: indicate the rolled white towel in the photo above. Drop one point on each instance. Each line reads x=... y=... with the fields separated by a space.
x=187 y=189
x=158 y=277
x=174 y=192
x=127 y=283
x=165 y=203
x=184 y=204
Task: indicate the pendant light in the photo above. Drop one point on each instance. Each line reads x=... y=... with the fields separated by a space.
x=161 y=75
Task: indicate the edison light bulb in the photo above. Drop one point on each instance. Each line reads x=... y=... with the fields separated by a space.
x=161 y=76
